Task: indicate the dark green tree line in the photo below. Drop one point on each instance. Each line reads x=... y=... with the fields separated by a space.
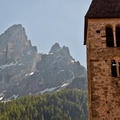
x=60 y=105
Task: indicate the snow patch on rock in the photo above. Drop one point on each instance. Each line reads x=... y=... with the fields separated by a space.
x=65 y=85
x=2 y=67
x=49 y=90
x=1 y=98
x=7 y=65
x=29 y=74
x=72 y=61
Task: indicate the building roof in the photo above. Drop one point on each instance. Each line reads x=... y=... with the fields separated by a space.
x=102 y=9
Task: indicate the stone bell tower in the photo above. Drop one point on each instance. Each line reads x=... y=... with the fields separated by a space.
x=102 y=39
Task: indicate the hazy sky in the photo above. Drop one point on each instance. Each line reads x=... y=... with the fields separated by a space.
x=48 y=21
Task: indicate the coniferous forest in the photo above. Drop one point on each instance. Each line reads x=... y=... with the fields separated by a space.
x=59 y=105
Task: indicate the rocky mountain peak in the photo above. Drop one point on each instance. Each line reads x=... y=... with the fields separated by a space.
x=66 y=50
x=16 y=29
x=23 y=70
x=14 y=44
x=55 y=48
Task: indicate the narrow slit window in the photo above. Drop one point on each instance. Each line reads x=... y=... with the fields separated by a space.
x=114 y=68
x=118 y=36
x=109 y=37
x=119 y=67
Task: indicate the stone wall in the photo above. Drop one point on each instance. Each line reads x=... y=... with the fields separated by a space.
x=103 y=89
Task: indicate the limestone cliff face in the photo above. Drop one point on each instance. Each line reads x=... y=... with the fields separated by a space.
x=24 y=71
x=17 y=56
x=55 y=70
x=13 y=44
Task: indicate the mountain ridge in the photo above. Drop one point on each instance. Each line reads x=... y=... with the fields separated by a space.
x=25 y=71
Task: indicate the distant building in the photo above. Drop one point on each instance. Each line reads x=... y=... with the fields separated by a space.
x=102 y=38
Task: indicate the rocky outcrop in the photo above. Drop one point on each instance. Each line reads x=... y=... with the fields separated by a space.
x=56 y=70
x=24 y=71
x=17 y=57
x=79 y=83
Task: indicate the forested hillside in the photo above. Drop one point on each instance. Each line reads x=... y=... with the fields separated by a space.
x=59 y=105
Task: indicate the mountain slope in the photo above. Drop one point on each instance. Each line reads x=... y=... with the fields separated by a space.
x=17 y=57
x=24 y=71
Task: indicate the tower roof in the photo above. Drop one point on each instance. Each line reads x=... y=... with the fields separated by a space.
x=102 y=9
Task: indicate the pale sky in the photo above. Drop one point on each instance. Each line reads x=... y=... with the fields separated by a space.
x=49 y=21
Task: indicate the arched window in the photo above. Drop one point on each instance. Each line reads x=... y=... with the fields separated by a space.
x=118 y=36
x=109 y=37
x=114 y=68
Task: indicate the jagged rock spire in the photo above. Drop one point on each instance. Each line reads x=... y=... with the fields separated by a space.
x=55 y=48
